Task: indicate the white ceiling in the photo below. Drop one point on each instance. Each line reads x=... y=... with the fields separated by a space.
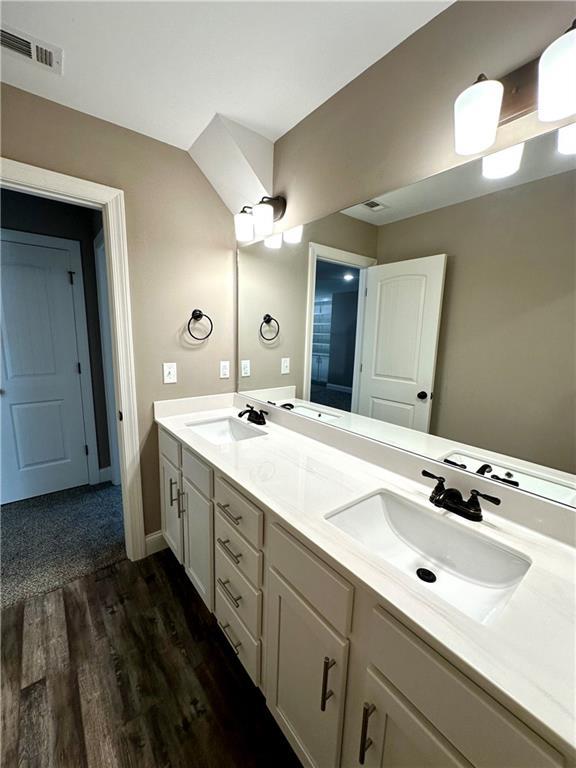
x=540 y=159
x=165 y=68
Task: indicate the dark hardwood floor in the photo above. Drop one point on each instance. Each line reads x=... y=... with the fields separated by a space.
x=126 y=667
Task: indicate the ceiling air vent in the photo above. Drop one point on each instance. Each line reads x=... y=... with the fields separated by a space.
x=375 y=206
x=37 y=51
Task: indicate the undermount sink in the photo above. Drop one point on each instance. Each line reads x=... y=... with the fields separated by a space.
x=222 y=431
x=451 y=560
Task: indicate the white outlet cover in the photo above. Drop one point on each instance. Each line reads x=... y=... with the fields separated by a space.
x=169 y=373
x=224 y=369
x=244 y=367
x=285 y=365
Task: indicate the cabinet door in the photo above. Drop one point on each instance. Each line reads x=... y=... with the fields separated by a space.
x=306 y=663
x=199 y=528
x=172 y=528
x=395 y=735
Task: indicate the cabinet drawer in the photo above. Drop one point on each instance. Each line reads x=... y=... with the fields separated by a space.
x=241 y=513
x=240 y=594
x=246 y=648
x=237 y=550
x=326 y=590
x=482 y=730
x=169 y=447
x=198 y=473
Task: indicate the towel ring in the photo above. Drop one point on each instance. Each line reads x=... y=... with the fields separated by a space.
x=197 y=315
x=266 y=320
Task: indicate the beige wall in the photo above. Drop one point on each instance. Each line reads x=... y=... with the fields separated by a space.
x=392 y=125
x=276 y=282
x=505 y=378
x=180 y=243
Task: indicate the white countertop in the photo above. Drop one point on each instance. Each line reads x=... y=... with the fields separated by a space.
x=525 y=652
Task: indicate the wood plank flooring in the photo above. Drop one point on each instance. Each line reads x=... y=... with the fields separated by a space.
x=124 y=668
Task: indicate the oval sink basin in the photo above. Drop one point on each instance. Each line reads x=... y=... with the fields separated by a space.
x=451 y=560
x=226 y=430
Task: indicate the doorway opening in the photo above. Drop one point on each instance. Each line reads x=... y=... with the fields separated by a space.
x=334 y=334
x=62 y=514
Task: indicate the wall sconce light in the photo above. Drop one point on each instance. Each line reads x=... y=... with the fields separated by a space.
x=268 y=210
x=273 y=241
x=244 y=225
x=567 y=140
x=293 y=235
x=504 y=163
x=557 y=78
x=476 y=116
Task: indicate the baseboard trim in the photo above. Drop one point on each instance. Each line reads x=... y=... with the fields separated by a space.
x=105 y=475
x=155 y=542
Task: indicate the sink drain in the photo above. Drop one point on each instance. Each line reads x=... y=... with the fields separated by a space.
x=426 y=575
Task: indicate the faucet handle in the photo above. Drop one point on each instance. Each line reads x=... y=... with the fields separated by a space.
x=425 y=473
x=474 y=504
x=439 y=488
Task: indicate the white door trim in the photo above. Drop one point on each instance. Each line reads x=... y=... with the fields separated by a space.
x=325 y=253
x=57 y=186
x=73 y=247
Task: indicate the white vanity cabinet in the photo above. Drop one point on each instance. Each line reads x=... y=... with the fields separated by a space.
x=307 y=655
x=171 y=511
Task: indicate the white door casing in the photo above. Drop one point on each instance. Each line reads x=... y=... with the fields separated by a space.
x=47 y=410
x=57 y=186
x=401 y=328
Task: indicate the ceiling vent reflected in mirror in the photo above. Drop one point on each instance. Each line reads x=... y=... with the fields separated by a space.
x=37 y=51
x=375 y=205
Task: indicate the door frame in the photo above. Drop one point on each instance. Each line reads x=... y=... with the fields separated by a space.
x=81 y=327
x=32 y=180
x=327 y=253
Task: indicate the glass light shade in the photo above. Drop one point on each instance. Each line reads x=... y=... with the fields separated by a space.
x=503 y=163
x=557 y=79
x=263 y=214
x=476 y=116
x=348 y=277
x=274 y=241
x=244 y=227
x=293 y=235
x=567 y=140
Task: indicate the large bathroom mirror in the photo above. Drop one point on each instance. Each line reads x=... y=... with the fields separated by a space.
x=439 y=318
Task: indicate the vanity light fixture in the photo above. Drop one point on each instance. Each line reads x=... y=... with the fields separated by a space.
x=504 y=163
x=273 y=241
x=476 y=116
x=293 y=235
x=244 y=225
x=268 y=210
x=557 y=78
x=567 y=140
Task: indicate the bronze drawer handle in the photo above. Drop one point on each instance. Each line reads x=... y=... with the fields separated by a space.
x=224 y=544
x=365 y=740
x=235 y=646
x=229 y=595
x=229 y=515
x=326 y=694
x=172 y=484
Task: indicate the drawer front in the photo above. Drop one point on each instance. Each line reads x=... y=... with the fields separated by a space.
x=482 y=730
x=237 y=550
x=241 y=513
x=240 y=594
x=169 y=447
x=246 y=648
x=198 y=473
x=326 y=590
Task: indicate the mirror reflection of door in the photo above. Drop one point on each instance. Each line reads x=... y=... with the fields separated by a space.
x=401 y=326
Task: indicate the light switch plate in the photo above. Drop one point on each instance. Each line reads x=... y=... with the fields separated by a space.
x=224 y=369
x=169 y=371
x=244 y=367
x=285 y=365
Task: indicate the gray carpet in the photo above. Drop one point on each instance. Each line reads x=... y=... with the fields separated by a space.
x=50 y=540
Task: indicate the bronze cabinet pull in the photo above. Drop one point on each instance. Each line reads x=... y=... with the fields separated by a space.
x=326 y=694
x=229 y=515
x=172 y=484
x=228 y=593
x=235 y=645
x=180 y=495
x=224 y=544
x=365 y=740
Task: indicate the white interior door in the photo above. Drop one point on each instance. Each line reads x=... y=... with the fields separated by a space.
x=42 y=419
x=401 y=325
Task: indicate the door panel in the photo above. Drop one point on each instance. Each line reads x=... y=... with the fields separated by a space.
x=401 y=737
x=401 y=326
x=43 y=430
x=172 y=527
x=299 y=641
x=199 y=542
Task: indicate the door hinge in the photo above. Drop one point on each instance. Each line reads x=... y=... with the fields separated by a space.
x=71 y=276
x=79 y=368
x=86 y=451
x=120 y=416
x=361 y=367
